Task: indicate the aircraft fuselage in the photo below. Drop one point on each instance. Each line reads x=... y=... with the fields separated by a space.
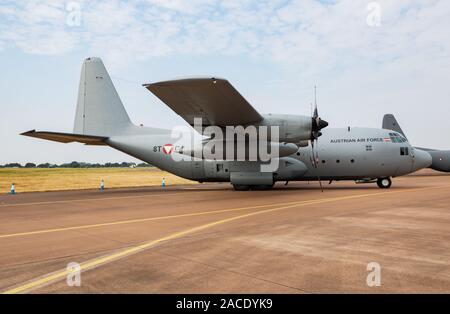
x=344 y=154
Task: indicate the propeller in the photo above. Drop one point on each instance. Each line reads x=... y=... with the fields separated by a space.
x=316 y=125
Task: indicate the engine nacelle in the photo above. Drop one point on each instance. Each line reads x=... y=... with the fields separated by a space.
x=292 y=128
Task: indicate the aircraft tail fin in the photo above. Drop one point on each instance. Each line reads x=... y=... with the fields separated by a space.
x=100 y=111
x=390 y=123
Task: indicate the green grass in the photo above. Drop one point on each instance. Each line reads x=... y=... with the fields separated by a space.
x=57 y=179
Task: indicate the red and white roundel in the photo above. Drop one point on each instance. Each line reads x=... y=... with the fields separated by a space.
x=168 y=149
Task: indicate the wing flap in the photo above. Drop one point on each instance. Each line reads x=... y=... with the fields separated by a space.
x=214 y=100
x=66 y=137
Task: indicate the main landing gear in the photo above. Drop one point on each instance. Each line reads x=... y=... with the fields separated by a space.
x=384 y=183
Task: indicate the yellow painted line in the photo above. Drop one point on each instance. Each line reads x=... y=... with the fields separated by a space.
x=59 y=275
x=131 y=221
x=91 y=199
x=111 y=257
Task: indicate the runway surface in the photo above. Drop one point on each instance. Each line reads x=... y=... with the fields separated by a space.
x=210 y=239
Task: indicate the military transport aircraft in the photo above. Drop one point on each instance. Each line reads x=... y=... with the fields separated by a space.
x=367 y=155
x=441 y=158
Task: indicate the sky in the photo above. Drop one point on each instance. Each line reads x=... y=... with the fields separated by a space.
x=367 y=58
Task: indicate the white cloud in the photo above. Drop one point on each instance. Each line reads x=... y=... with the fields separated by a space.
x=37 y=27
x=305 y=37
x=307 y=33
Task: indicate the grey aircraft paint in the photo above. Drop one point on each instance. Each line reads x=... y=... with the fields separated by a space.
x=343 y=154
x=361 y=153
x=440 y=158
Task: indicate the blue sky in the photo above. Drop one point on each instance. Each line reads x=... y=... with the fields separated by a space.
x=273 y=52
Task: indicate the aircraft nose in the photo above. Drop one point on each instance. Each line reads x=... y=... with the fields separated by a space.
x=422 y=159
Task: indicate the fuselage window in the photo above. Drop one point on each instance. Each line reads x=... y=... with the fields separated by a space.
x=404 y=151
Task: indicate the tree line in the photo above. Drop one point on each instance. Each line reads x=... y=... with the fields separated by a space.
x=76 y=164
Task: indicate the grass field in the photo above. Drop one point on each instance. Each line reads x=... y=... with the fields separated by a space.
x=57 y=179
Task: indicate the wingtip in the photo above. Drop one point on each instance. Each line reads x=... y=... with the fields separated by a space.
x=28 y=132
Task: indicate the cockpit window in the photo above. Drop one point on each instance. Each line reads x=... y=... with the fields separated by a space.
x=397 y=138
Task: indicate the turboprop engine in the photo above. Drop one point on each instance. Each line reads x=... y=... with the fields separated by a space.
x=293 y=131
x=295 y=128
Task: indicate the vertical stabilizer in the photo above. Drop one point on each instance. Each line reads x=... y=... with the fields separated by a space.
x=100 y=111
x=390 y=123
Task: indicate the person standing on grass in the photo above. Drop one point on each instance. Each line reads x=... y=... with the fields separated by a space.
x=13 y=189
x=163 y=184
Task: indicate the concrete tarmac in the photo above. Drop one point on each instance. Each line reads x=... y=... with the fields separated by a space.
x=210 y=239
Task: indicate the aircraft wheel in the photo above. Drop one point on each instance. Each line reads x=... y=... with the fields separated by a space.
x=240 y=187
x=384 y=183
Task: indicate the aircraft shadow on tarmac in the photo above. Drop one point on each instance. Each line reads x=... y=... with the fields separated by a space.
x=313 y=185
x=305 y=186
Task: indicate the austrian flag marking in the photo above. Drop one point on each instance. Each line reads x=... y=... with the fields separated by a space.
x=168 y=149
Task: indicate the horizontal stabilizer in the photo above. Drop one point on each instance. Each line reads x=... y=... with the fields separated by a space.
x=67 y=137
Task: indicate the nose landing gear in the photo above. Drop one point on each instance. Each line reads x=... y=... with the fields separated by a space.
x=384 y=183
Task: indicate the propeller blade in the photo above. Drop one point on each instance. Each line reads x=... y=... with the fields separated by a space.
x=317 y=123
x=317 y=165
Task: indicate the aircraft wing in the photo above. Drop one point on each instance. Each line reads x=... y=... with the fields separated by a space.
x=214 y=100
x=67 y=137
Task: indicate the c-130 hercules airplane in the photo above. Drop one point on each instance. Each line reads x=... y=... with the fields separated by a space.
x=360 y=154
